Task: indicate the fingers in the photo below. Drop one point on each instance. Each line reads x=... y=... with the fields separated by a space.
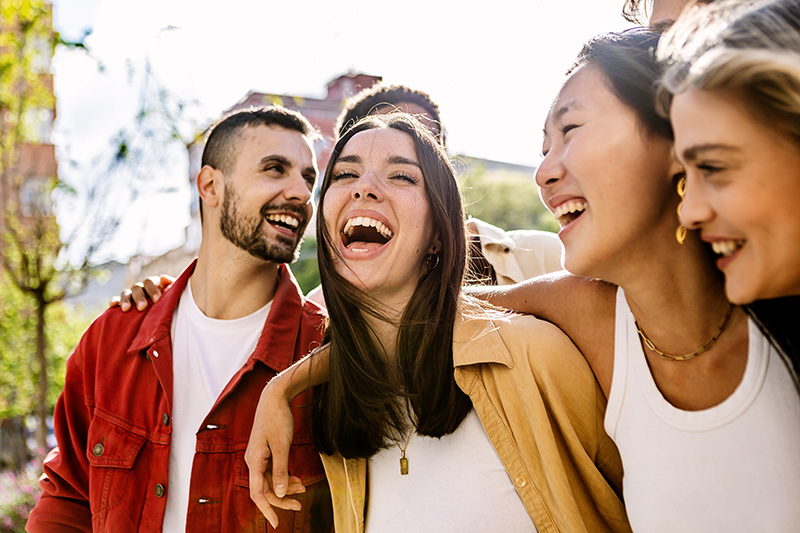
x=142 y=293
x=152 y=287
x=295 y=486
x=124 y=300
x=267 y=454
x=258 y=465
x=266 y=500
x=139 y=297
x=280 y=471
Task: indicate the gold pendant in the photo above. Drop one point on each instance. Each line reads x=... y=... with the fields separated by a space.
x=403 y=466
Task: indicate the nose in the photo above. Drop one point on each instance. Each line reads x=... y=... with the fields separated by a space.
x=367 y=186
x=297 y=189
x=550 y=171
x=694 y=211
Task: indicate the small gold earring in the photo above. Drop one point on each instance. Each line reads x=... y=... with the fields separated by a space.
x=680 y=233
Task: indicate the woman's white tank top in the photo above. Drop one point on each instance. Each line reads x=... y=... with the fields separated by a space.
x=733 y=467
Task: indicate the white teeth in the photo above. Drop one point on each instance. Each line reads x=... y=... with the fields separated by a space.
x=284 y=219
x=569 y=207
x=367 y=223
x=726 y=248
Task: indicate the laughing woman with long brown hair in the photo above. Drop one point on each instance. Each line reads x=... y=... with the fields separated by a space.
x=439 y=414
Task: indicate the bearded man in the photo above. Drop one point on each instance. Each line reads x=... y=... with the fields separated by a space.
x=155 y=415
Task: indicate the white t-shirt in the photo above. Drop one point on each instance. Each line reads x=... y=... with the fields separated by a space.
x=206 y=353
x=454 y=484
x=734 y=467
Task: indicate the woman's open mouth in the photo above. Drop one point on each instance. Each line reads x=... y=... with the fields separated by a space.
x=726 y=248
x=569 y=211
x=365 y=233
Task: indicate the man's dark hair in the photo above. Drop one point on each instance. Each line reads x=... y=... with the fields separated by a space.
x=222 y=142
x=380 y=96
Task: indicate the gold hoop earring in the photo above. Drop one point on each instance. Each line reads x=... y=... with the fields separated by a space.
x=680 y=233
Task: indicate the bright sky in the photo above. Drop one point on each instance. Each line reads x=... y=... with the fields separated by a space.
x=493 y=68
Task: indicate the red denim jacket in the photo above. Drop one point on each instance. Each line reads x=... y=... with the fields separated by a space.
x=113 y=426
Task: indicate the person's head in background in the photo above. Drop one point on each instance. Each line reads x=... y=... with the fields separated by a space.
x=659 y=14
x=381 y=99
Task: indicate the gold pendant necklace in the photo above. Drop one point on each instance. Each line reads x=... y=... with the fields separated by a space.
x=403 y=460
x=647 y=342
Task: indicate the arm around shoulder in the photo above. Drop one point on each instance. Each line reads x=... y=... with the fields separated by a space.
x=273 y=429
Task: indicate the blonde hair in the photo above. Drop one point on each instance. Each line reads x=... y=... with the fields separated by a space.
x=752 y=48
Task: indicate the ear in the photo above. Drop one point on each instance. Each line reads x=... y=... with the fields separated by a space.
x=676 y=170
x=210 y=186
x=435 y=246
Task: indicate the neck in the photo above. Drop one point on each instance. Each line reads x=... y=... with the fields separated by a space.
x=229 y=284
x=679 y=292
x=386 y=332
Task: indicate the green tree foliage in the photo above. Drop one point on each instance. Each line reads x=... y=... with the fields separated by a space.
x=305 y=269
x=27 y=43
x=31 y=246
x=18 y=369
x=507 y=198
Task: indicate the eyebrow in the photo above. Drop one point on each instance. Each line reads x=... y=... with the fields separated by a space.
x=392 y=159
x=694 y=152
x=349 y=159
x=400 y=160
x=561 y=111
x=267 y=160
x=556 y=115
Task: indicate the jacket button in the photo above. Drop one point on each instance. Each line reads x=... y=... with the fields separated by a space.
x=97 y=450
x=155 y=353
x=165 y=419
x=520 y=481
x=160 y=490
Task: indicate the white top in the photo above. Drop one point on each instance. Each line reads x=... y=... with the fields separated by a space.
x=734 y=467
x=206 y=353
x=454 y=484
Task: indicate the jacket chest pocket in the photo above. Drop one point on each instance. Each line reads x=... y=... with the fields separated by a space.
x=112 y=452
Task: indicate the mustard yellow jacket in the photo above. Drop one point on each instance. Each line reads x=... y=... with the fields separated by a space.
x=543 y=411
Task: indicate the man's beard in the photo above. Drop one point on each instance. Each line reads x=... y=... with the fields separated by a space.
x=249 y=234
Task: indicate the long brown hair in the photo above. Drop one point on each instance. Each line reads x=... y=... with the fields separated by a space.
x=362 y=408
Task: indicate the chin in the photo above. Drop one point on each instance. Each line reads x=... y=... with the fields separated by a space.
x=575 y=265
x=744 y=293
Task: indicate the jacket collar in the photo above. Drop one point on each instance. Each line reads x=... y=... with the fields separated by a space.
x=492 y=235
x=476 y=336
x=276 y=346
x=156 y=325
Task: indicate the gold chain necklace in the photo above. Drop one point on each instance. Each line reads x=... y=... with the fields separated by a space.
x=706 y=346
x=403 y=460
